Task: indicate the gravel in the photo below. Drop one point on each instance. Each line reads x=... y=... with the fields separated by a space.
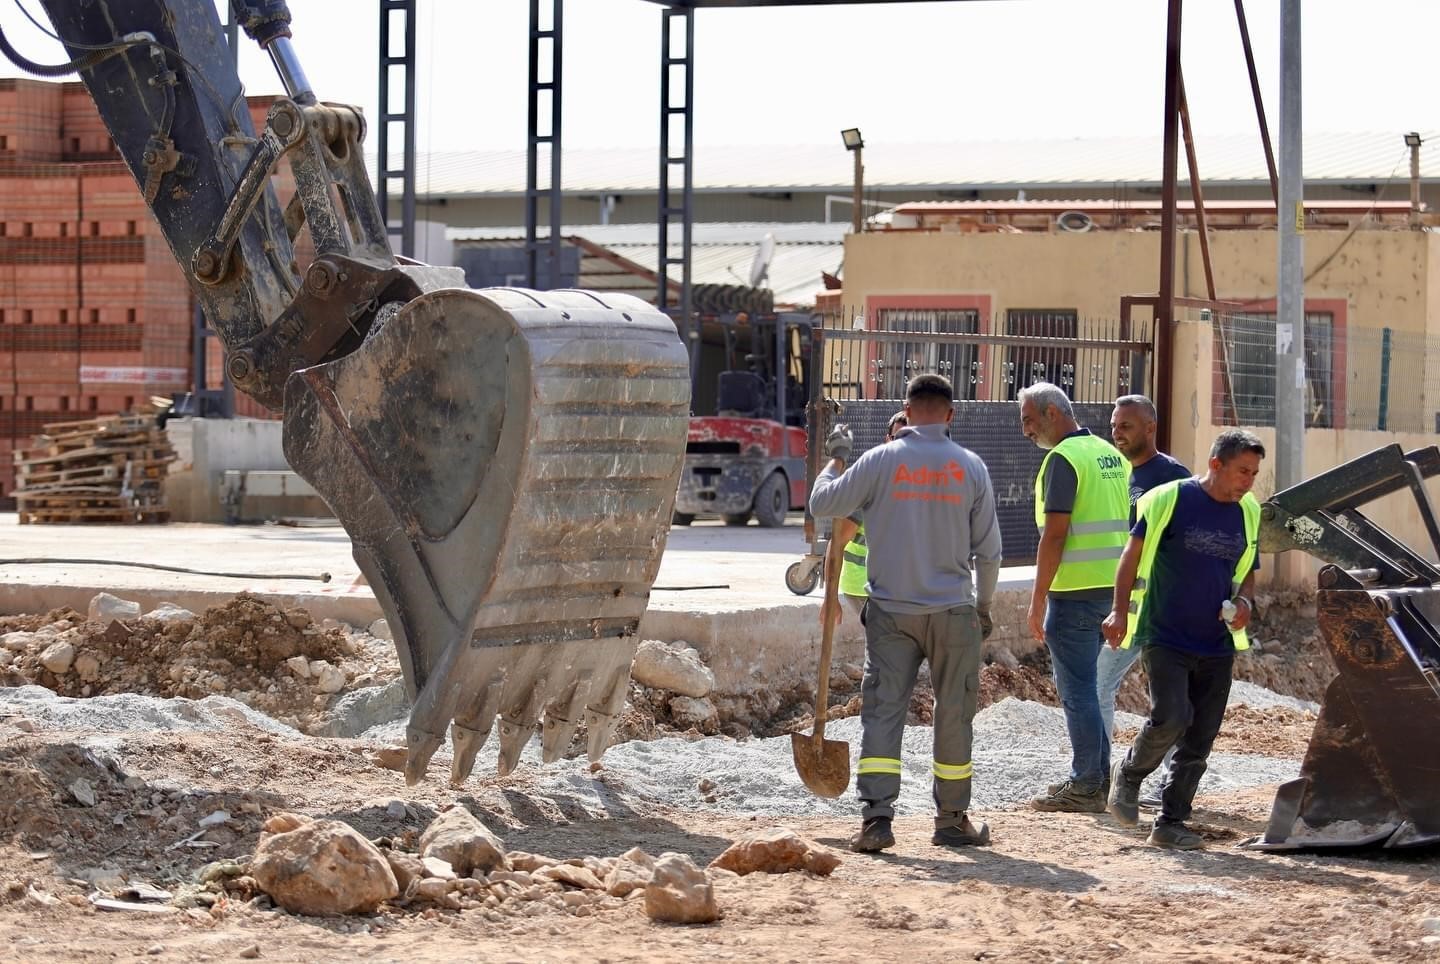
x=129 y=711
x=1019 y=747
x=1262 y=699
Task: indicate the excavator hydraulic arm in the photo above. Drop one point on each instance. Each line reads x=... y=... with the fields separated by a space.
x=505 y=461
x=1371 y=775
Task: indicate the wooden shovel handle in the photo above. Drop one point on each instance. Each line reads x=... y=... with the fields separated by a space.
x=827 y=642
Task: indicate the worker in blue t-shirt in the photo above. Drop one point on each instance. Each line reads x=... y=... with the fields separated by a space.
x=1183 y=592
x=1133 y=424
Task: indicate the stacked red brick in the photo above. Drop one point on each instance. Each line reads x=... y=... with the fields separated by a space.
x=95 y=315
x=109 y=469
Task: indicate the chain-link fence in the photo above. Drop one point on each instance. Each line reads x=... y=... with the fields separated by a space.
x=1356 y=377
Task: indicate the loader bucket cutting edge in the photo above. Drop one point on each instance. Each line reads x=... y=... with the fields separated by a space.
x=1371 y=774
x=506 y=464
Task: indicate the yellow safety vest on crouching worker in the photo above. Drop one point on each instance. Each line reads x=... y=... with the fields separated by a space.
x=1100 y=519
x=854 y=573
x=1156 y=507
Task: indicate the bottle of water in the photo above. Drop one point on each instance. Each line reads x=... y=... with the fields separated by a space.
x=1228 y=612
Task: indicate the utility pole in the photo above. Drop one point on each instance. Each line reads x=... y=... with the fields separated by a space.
x=1290 y=276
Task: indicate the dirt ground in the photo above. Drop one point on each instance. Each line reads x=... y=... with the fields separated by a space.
x=82 y=814
x=1052 y=886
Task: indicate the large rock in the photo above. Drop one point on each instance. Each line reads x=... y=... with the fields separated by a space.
x=57 y=657
x=105 y=607
x=405 y=867
x=680 y=893
x=699 y=713
x=456 y=836
x=676 y=668
x=323 y=868
x=171 y=613
x=17 y=642
x=776 y=851
x=632 y=871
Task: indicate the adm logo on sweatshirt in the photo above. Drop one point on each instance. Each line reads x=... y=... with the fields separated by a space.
x=924 y=483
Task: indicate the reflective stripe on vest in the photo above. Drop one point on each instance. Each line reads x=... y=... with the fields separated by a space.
x=853 y=572
x=1156 y=507
x=1099 y=521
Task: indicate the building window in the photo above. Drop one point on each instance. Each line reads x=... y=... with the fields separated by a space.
x=94 y=316
x=1026 y=366
x=27 y=316
x=129 y=316
x=64 y=316
x=94 y=229
x=901 y=361
x=1246 y=366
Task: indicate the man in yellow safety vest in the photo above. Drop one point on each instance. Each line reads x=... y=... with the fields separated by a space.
x=1183 y=593
x=846 y=556
x=1082 y=506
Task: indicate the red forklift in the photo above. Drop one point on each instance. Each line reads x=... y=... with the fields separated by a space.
x=745 y=456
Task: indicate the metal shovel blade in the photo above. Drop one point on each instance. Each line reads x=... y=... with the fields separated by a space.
x=823 y=765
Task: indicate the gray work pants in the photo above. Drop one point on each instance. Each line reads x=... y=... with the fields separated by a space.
x=895 y=645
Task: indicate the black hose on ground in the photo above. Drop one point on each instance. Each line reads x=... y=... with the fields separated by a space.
x=322 y=577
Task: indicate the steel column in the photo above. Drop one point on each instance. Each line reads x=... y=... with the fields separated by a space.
x=404 y=118
x=550 y=276
x=1165 y=305
x=1290 y=298
x=689 y=326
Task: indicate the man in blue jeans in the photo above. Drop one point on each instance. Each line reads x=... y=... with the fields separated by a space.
x=1132 y=428
x=1082 y=506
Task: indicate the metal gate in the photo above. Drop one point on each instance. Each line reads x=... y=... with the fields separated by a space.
x=860 y=373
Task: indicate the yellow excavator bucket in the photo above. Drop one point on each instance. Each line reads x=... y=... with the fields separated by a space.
x=506 y=462
x=1371 y=774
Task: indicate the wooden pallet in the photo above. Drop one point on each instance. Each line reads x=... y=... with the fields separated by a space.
x=107 y=469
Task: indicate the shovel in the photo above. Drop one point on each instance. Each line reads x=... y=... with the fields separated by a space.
x=823 y=765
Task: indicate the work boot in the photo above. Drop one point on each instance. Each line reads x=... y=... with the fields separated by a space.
x=1124 y=798
x=970 y=833
x=875 y=835
x=1174 y=836
x=1068 y=798
x=1151 y=800
x=1054 y=788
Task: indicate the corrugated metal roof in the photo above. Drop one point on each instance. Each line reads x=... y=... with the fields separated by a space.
x=1347 y=157
x=719 y=254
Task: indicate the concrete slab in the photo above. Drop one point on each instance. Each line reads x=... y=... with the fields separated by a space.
x=751 y=630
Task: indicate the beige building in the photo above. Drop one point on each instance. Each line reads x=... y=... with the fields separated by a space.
x=1372 y=317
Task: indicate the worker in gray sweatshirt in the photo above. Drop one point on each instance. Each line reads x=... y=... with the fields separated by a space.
x=929 y=511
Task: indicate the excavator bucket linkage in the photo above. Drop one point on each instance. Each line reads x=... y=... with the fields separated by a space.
x=506 y=463
x=1371 y=775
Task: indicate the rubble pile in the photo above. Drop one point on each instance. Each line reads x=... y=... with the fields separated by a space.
x=277 y=661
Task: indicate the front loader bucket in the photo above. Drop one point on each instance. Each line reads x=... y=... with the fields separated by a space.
x=506 y=464
x=1371 y=775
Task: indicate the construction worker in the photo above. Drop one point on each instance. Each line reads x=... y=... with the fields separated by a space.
x=1132 y=428
x=929 y=509
x=1183 y=593
x=847 y=564
x=1082 y=505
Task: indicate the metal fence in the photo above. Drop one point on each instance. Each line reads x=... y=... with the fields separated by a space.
x=863 y=371
x=1356 y=377
x=986 y=359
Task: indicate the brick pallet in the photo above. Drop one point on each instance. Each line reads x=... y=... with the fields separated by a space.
x=109 y=469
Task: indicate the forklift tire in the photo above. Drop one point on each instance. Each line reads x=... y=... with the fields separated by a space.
x=772 y=501
x=801 y=582
x=681 y=518
x=736 y=518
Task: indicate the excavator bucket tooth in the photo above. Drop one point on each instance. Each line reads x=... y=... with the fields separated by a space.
x=506 y=463
x=1371 y=775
